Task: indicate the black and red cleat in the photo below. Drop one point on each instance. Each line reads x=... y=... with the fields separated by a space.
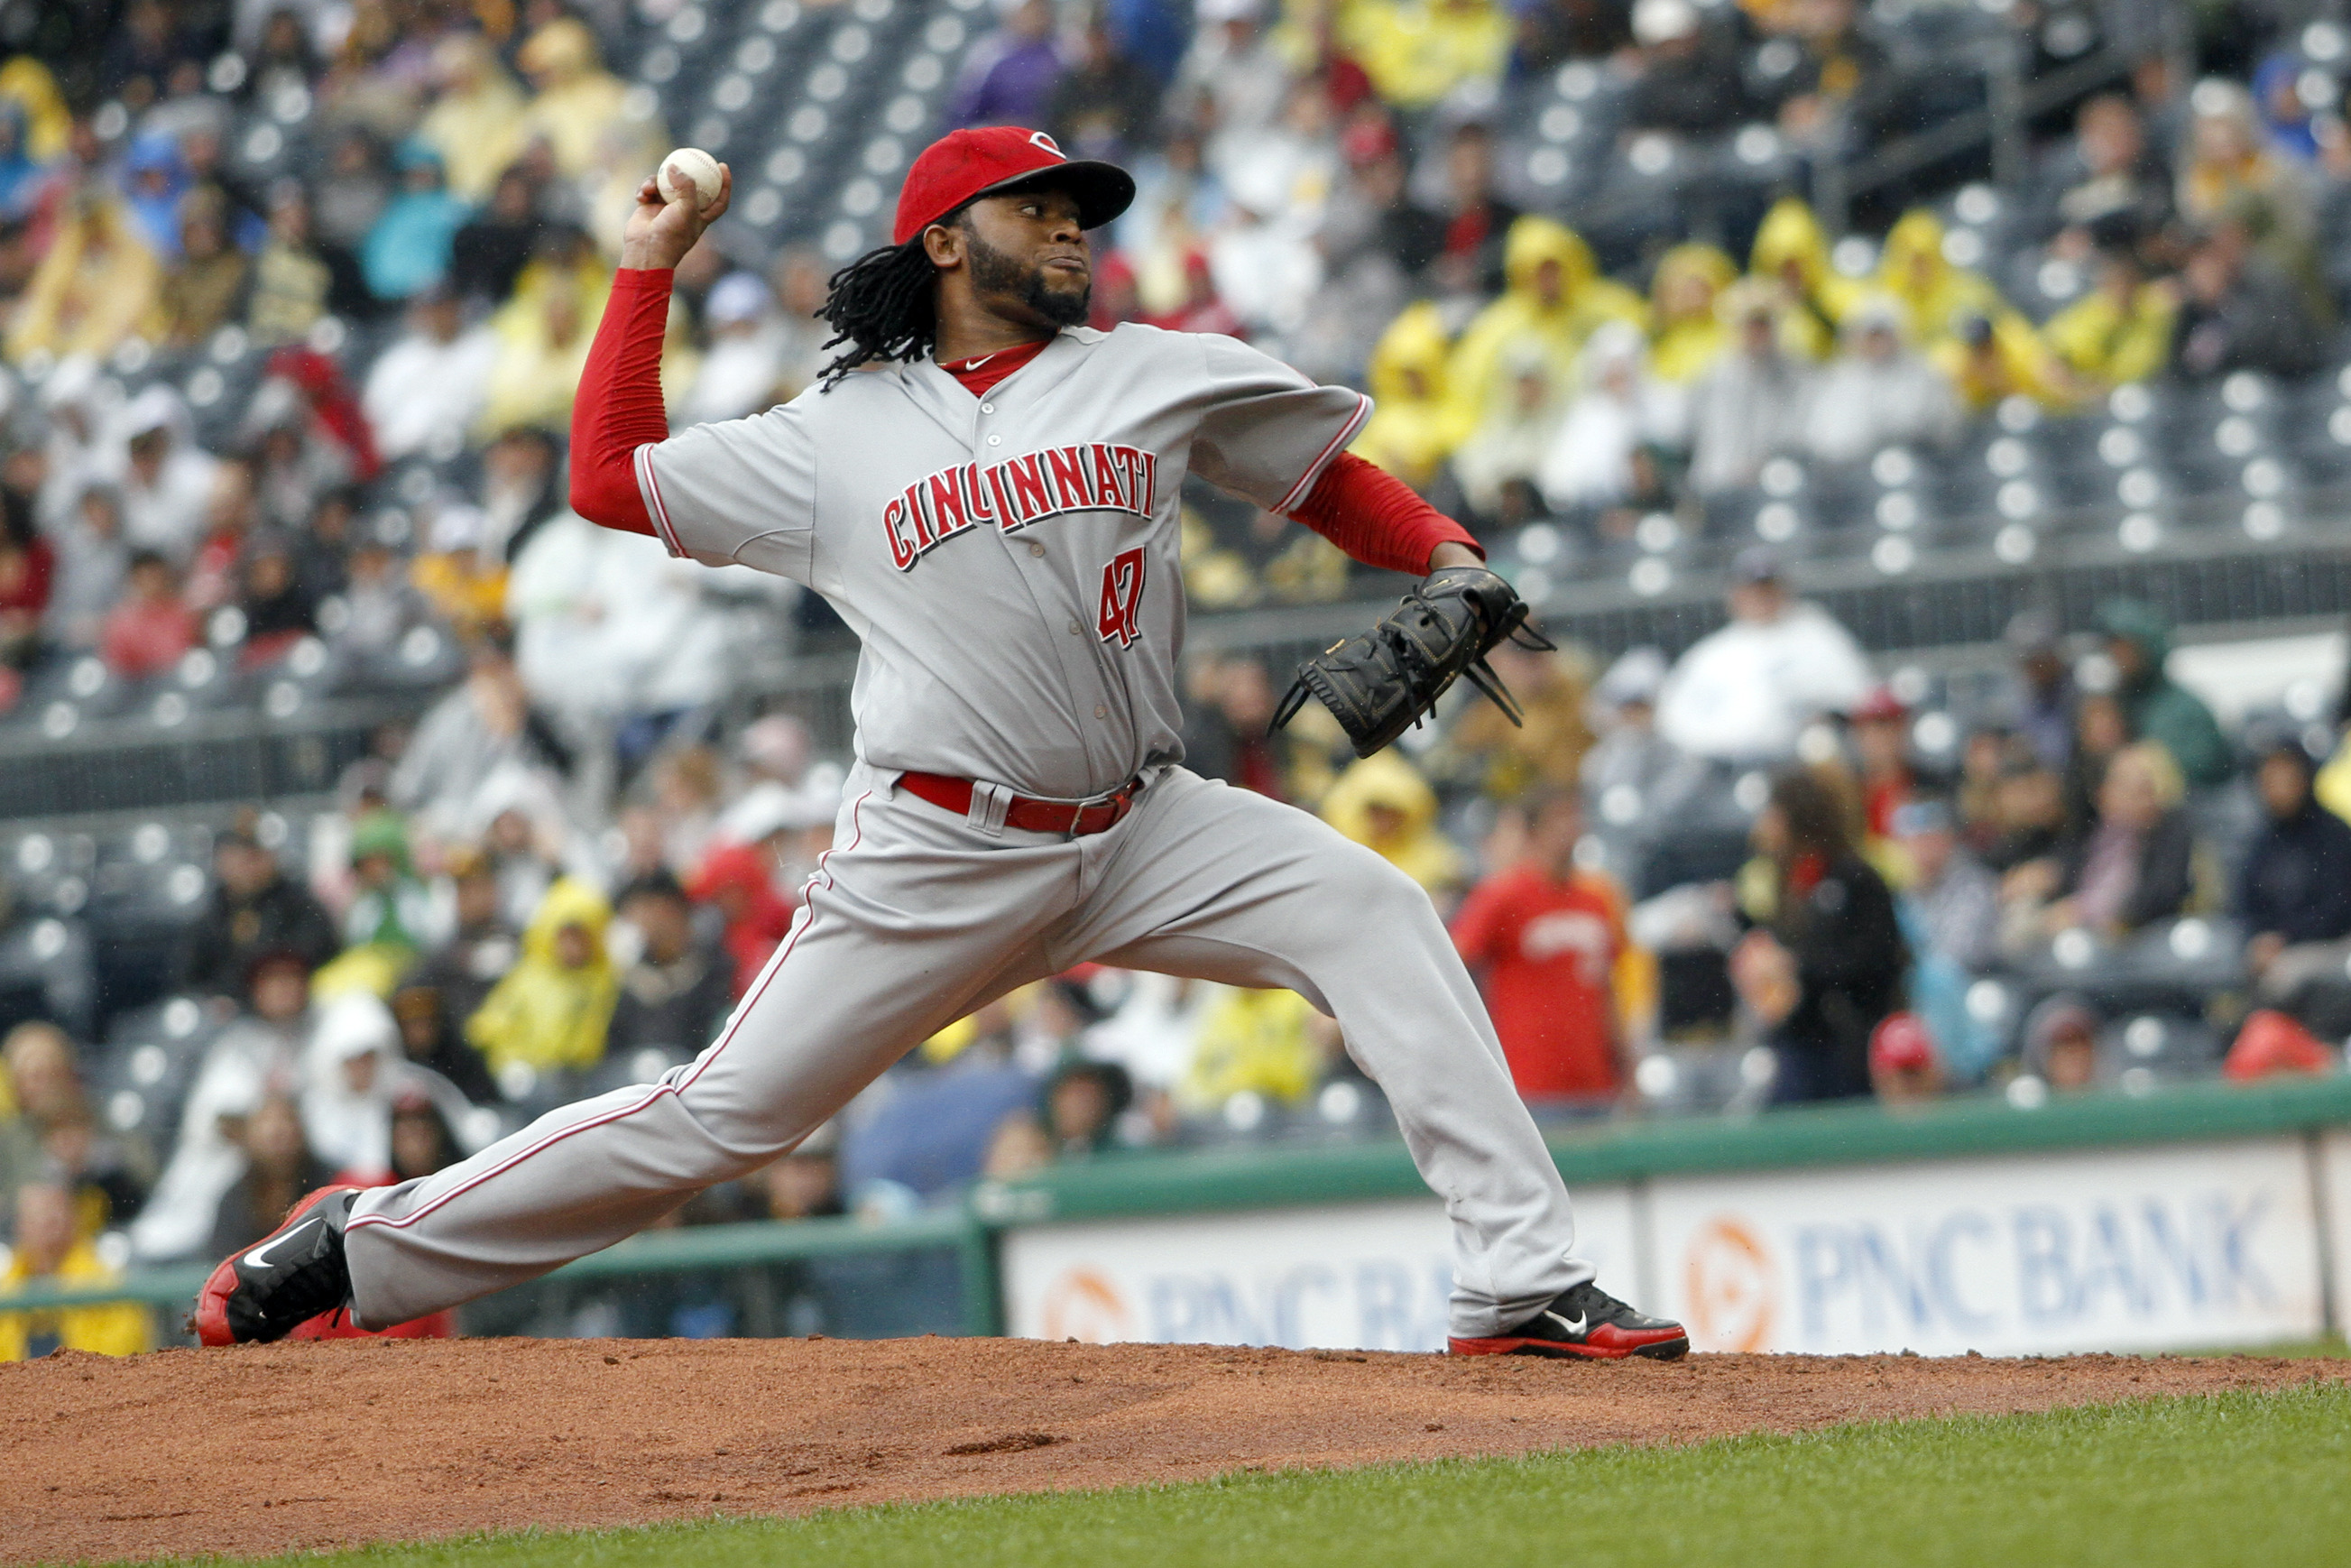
x=1587 y=1321
x=289 y=1277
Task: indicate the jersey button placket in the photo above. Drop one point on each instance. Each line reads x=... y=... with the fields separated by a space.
x=1035 y=550
x=1101 y=712
x=996 y=441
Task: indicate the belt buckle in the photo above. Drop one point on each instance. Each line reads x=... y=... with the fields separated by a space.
x=1120 y=801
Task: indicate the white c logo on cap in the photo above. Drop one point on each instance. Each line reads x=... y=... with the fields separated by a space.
x=1039 y=138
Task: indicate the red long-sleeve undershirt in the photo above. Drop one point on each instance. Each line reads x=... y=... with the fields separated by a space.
x=1366 y=512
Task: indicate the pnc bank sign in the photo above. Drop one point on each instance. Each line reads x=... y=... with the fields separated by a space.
x=2137 y=1250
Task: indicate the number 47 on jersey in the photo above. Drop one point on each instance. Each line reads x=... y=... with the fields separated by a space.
x=1122 y=598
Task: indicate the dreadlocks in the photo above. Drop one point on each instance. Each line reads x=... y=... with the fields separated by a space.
x=883 y=306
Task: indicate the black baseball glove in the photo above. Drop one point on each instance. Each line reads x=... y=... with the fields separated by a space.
x=1381 y=684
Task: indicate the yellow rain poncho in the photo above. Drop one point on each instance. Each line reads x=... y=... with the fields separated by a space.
x=2107 y=343
x=577 y=97
x=1688 y=331
x=1382 y=804
x=545 y=1014
x=1792 y=255
x=1416 y=51
x=1262 y=1041
x=1935 y=295
x=1414 y=424
x=476 y=123
x=1553 y=294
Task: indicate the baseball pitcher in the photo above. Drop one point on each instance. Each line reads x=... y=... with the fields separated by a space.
x=988 y=490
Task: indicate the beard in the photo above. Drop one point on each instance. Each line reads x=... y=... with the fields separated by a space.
x=995 y=273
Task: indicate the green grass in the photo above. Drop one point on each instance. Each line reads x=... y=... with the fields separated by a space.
x=2250 y=1478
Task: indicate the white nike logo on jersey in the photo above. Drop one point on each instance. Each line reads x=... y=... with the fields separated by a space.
x=259 y=1257
x=1572 y=1329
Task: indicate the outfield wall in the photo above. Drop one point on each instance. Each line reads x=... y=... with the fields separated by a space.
x=2202 y=1216
x=2205 y=1217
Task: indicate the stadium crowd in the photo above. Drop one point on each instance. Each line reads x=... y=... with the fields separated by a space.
x=559 y=875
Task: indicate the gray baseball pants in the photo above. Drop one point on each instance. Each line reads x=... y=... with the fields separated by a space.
x=917 y=917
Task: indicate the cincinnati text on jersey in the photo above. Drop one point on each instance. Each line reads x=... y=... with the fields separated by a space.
x=1091 y=476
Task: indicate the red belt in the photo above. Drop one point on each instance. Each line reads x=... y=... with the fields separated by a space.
x=1074 y=817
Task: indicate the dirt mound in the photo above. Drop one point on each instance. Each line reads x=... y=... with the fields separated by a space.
x=268 y=1449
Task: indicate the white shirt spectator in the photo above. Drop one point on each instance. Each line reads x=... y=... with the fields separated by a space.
x=428 y=388
x=1619 y=410
x=748 y=349
x=1877 y=393
x=1744 y=693
x=164 y=478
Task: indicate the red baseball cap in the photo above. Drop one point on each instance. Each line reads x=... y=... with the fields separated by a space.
x=962 y=165
x=1901 y=1043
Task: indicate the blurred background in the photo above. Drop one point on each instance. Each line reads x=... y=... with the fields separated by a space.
x=1925 y=425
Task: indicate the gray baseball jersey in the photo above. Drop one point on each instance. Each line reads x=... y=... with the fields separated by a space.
x=1009 y=560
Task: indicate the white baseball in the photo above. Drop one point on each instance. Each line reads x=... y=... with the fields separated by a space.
x=689 y=172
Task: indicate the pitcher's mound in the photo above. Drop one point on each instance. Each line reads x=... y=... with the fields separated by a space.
x=268 y=1449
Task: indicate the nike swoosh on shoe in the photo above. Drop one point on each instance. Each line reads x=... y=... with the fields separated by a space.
x=259 y=1257
x=1573 y=1329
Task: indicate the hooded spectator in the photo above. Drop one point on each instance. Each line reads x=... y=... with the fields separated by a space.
x=2061 y=1044
x=1686 y=326
x=98 y=284
x=737 y=880
x=349 y=1075
x=258 y=1055
x=1547 y=750
x=390 y=909
x=407 y=250
x=574 y=97
x=1556 y=297
x=1745 y=691
x=1382 y=804
x=1791 y=257
x=551 y=1011
x=1607 y=450
x=164 y=478
x=2043 y=686
x=1496 y=466
x=1935 y=296
x=475 y=119
x=2157 y=707
x=1412 y=429
x=1417 y=51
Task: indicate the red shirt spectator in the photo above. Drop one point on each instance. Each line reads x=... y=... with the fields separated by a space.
x=739 y=879
x=147 y=632
x=1547 y=936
